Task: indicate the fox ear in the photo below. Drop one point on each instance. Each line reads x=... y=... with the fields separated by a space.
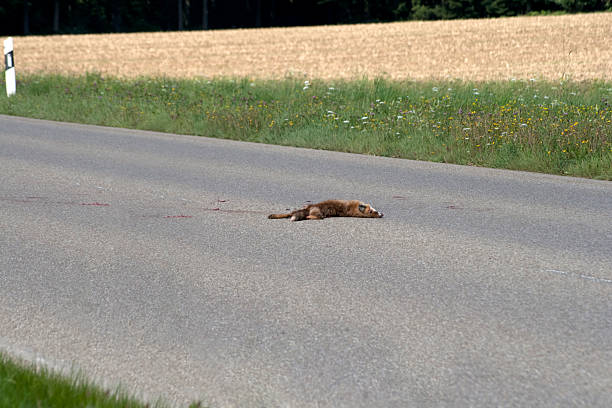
x=362 y=207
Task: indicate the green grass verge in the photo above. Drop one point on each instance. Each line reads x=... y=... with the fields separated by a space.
x=551 y=127
x=23 y=385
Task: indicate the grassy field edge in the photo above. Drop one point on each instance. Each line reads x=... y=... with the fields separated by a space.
x=551 y=127
x=24 y=384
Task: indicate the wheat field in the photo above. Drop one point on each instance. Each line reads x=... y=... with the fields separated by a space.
x=576 y=47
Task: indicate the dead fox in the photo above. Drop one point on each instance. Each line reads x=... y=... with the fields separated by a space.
x=331 y=208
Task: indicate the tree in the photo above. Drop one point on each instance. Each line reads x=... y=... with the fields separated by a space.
x=205 y=14
x=56 y=15
x=26 y=17
x=115 y=12
x=98 y=16
x=180 y=14
x=574 y=6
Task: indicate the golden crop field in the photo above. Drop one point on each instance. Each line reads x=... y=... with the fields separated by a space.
x=577 y=47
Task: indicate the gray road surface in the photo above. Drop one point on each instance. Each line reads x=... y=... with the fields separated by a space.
x=147 y=259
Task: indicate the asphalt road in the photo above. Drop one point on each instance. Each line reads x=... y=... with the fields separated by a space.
x=147 y=259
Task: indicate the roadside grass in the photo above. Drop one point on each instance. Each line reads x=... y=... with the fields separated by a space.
x=559 y=127
x=24 y=385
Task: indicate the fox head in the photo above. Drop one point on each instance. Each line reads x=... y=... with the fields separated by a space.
x=368 y=211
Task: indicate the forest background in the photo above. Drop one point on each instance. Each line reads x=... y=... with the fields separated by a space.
x=26 y=17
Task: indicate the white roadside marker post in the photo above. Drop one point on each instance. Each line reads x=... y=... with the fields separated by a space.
x=9 y=63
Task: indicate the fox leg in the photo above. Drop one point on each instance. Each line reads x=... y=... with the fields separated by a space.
x=299 y=215
x=315 y=214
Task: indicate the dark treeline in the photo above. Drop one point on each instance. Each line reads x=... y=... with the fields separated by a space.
x=19 y=17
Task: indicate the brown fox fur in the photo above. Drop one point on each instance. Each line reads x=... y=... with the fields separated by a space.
x=331 y=208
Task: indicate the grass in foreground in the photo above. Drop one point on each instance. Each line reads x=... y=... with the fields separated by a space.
x=558 y=128
x=23 y=385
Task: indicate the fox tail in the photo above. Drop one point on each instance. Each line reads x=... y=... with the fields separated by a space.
x=278 y=216
x=297 y=215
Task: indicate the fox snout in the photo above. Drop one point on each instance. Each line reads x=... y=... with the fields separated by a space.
x=370 y=211
x=377 y=214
